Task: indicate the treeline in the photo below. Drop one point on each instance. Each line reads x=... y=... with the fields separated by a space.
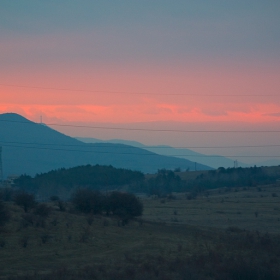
x=123 y=205
x=166 y=181
x=236 y=177
x=63 y=181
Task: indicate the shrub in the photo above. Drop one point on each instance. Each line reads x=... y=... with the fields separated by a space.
x=125 y=205
x=25 y=200
x=42 y=210
x=2 y=242
x=29 y=219
x=88 y=201
x=6 y=194
x=24 y=241
x=54 y=198
x=4 y=214
x=61 y=206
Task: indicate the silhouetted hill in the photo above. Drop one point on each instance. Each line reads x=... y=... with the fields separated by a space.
x=215 y=161
x=32 y=148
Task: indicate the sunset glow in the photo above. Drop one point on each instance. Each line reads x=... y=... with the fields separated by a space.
x=209 y=94
x=125 y=64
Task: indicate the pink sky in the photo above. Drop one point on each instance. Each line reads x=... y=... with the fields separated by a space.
x=167 y=93
x=195 y=63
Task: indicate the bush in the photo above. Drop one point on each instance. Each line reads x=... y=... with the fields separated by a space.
x=25 y=200
x=61 y=206
x=30 y=219
x=42 y=210
x=6 y=194
x=88 y=201
x=4 y=214
x=125 y=205
x=54 y=198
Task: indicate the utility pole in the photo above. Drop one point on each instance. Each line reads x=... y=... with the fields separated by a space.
x=1 y=168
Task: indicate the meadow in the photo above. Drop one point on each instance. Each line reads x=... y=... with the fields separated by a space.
x=254 y=208
x=221 y=234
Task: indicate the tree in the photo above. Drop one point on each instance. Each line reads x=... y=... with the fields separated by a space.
x=6 y=194
x=88 y=201
x=25 y=200
x=4 y=214
x=125 y=205
x=42 y=210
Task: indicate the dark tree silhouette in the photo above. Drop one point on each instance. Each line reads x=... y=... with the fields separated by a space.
x=88 y=201
x=4 y=214
x=25 y=200
x=42 y=210
x=125 y=205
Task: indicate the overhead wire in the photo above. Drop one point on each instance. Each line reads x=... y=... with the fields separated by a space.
x=105 y=144
x=19 y=144
x=140 y=154
x=153 y=130
x=148 y=129
x=137 y=93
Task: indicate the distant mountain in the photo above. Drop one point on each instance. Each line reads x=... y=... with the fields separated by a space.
x=271 y=162
x=31 y=148
x=215 y=161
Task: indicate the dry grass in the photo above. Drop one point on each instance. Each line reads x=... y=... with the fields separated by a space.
x=255 y=208
x=205 y=235
x=68 y=240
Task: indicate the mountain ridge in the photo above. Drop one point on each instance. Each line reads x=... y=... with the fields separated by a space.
x=32 y=148
x=214 y=161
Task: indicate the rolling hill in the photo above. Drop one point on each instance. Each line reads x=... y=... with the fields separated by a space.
x=215 y=161
x=32 y=148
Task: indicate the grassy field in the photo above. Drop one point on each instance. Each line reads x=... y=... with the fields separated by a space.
x=254 y=208
x=72 y=240
x=221 y=234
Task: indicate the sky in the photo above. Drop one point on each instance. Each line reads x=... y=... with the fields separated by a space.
x=163 y=65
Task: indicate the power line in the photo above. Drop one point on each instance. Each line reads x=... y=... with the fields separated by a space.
x=140 y=154
x=139 y=93
x=124 y=146
x=149 y=129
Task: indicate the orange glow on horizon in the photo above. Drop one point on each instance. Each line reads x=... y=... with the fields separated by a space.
x=113 y=94
x=141 y=113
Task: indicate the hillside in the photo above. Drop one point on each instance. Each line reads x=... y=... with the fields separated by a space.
x=214 y=161
x=62 y=182
x=33 y=148
x=226 y=235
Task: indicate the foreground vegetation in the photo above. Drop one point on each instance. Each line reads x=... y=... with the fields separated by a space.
x=248 y=208
x=67 y=243
x=63 y=182
x=226 y=233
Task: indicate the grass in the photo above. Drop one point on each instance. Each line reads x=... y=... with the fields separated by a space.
x=218 y=235
x=248 y=208
x=72 y=242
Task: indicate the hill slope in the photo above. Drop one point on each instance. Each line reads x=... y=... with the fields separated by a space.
x=215 y=161
x=33 y=148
